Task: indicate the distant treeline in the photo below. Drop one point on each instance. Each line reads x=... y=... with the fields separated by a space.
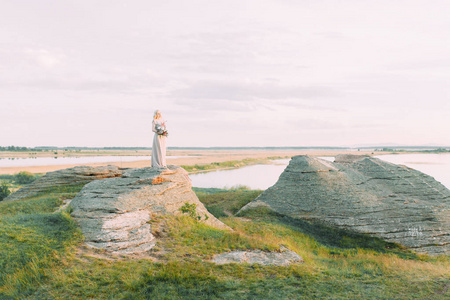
x=54 y=148
x=259 y=148
x=415 y=149
x=18 y=149
x=386 y=149
x=91 y=148
x=189 y=148
x=437 y=150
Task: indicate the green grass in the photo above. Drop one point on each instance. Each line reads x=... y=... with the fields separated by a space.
x=17 y=177
x=336 y=239
x=225 y=165
x=45 y=202
x=17 y=181
x=7 y=177
x=33 y=238
x=225 y=202
x=41 y=257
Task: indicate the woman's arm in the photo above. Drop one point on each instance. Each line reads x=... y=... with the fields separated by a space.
x=154 y=126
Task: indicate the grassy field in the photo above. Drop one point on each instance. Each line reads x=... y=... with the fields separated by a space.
x=42 y=257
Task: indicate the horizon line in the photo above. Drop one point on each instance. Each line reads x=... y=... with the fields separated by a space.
x=238 y=147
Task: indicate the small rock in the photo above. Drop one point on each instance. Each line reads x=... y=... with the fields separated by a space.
x=283 y=258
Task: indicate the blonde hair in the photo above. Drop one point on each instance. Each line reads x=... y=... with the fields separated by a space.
x=157 y=114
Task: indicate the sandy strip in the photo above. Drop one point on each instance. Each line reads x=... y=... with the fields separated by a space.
x=191 y=157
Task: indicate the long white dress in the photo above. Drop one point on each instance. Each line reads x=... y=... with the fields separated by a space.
x=159 y=147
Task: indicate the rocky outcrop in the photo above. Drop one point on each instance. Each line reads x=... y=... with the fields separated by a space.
x=366 y=195
x=73 y=176
x=115 y=214
x=283 y=258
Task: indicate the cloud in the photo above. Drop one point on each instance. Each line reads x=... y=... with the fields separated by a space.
x=108 y=85
x=104 y=80
x=45 y=58
x=217 y=105
x=334 y=35
x=236 y=91
x=421 y=64
x=314 y=124
x=250 y=96
x=336 y=68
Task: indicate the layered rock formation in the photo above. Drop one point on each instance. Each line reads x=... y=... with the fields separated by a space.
x=73 y=176
x=366 y=195
x=115 y=213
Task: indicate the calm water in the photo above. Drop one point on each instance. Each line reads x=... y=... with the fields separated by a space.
x=255 y=177
x=52 y=161
x=264 y=176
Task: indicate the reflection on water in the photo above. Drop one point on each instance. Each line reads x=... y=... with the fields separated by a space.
x=255 y=177
x=53 y=161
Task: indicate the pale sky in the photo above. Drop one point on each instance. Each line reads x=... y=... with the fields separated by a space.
x=225 y=72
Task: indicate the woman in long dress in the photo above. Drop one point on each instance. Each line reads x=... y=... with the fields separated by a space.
x=159 y=141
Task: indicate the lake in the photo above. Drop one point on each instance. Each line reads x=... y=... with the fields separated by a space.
x=264 y=176
x=255 y=177
x=54 y=161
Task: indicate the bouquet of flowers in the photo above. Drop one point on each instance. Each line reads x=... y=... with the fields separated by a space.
x=161 y=130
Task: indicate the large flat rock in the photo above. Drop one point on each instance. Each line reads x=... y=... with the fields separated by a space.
x=72 y=176
x=115 y=213
x=366 y=195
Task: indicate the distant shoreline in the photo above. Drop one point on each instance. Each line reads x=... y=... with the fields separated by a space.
x=264 y=148
x=188 y=157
